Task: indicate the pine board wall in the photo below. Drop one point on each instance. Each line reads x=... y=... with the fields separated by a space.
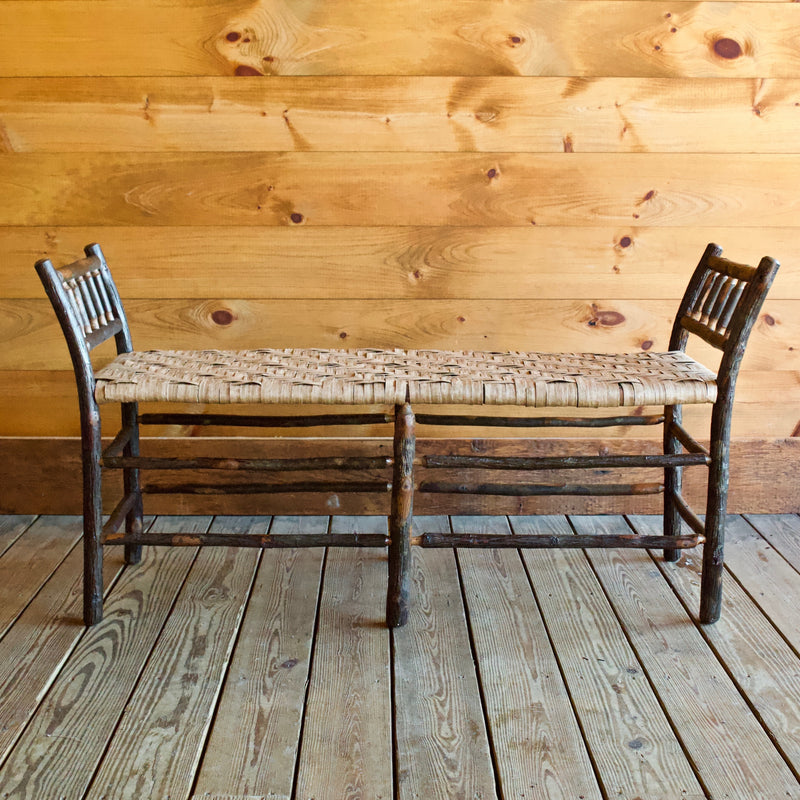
x=527 y=174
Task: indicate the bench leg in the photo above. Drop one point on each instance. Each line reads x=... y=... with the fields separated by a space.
x=673 y=478
x=91 y=448
x=716 y=509
x=130 y=479
x=401 y=517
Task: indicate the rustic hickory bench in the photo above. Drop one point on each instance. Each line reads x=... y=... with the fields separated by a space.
x=720 y=306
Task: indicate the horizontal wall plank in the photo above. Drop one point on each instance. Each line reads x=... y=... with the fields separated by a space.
x=401 y=113
x=32 y=338
x=485 y=189
x=419 y=37
x=44 y=476
x=45 y=403
x=336 y=262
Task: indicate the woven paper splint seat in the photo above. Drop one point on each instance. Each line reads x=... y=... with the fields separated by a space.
x=389 y=377
x=720 y=306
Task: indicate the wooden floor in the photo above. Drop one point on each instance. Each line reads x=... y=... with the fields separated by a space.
x=231 y=673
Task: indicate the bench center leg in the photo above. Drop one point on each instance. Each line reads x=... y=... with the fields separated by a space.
x=401 y=517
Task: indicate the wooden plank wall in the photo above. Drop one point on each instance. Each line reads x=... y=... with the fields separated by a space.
x=533 y=174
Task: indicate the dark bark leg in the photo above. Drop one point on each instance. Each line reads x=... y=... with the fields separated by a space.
x=673 y=478
x=716 y=507
x=92 y=517
x=130 y=478
x=401 y=517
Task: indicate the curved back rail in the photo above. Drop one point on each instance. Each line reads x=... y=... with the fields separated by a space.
x=722 y=301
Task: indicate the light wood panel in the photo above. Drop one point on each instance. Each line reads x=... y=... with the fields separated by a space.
x=34 y=340
x=398 y=113
x=344 y=262
x=484 y=189
x=461 y=37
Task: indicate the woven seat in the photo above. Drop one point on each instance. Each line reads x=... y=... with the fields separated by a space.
x=582 y=380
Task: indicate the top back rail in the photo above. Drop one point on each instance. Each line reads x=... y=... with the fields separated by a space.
x=86 y=300
x=722 y=300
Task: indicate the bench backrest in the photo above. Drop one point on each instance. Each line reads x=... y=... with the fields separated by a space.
x=722 y=302
x=88 y=306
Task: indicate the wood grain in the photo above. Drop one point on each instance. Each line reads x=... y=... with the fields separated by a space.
x=632 y=745
x=79 y=715
x=346 y=262
x=30 y=561
x=537 y=742
x=632 y=37
x=763 y=477
x=442 y=744
x=347 y=733
x=484 y=189
x=756 y=656
x=34 y=650
x=34 y=341
x=168 y=715
x=12 y=527
x=399 y=113
x=781 y=532
x=765 y=574
x=703 y=704
x=253 y=745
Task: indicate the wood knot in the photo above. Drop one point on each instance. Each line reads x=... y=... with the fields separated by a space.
x=625 y=241
x=604 y=319
x=247 y=70
x=727 y=48
x=296 y=217
x=234 y=36
x=222 y=316
x=769 y=319
x=515 y=40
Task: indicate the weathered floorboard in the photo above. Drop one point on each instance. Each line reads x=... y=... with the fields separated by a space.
x=12 y=527
x=766 y=575
x=782 y=532
x=535 y=736
x=346 y=747
x=40 y=642
x=727 y=745
x=756 y=656
x=253 y=745
x=442 y=744
x=159 y=740
x=632 y=745
x=59 y=751
x=31 y=560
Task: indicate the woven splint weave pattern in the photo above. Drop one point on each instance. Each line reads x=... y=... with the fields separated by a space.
x=583 y=380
